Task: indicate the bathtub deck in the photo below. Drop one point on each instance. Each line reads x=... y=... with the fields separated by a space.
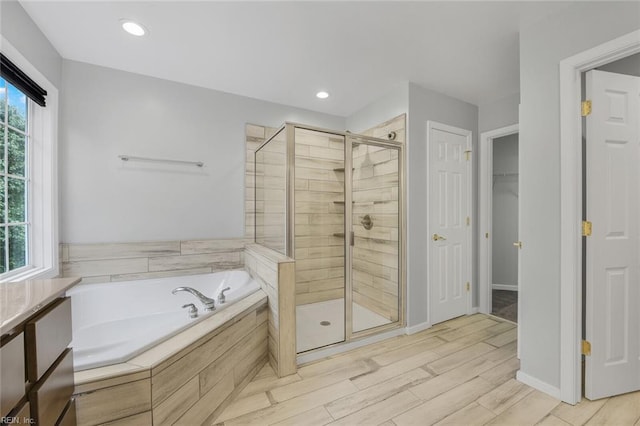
x=461 y=372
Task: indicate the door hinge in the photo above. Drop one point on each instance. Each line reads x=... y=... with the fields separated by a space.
x=586 y=228
x=468 y=286
x=467 y=154
x=468 y=221
x=585 y=108
x=586 y=347
x=486 y=235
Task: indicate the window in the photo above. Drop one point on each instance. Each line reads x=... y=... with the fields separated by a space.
x=14 y=182
x=28 y=170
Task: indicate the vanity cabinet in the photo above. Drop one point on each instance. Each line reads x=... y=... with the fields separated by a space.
x=37 y=368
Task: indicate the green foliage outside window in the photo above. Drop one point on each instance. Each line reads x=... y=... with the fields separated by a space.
x=13 y=178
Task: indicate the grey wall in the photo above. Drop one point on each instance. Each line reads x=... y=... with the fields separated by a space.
x=425 y=105
x=107 y=113
x=542 y=47
x=501 y=113
x=504 y=269
x=18 y=28
x=385 y=108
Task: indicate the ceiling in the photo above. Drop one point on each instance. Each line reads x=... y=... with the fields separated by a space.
x=285 y=52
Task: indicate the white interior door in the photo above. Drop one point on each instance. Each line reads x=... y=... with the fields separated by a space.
x=449 y=229
x=613 y=250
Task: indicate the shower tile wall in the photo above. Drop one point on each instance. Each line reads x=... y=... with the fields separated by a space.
x=254 y=137
x=376 y=251
x=271 y=193
x=319 y=216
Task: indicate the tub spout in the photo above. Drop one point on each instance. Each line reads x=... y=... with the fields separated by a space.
x=221 y=297
x=209 y=304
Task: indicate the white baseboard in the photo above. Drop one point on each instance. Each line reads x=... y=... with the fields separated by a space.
x=508 y=287
x=474 y=310
x=417 y=328
x=538 y=384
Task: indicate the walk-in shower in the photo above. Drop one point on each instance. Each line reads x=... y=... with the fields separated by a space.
x=334 y=202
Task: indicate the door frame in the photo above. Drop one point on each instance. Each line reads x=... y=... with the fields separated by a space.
x=571 y=203
x=468 y=134
x=485 y=219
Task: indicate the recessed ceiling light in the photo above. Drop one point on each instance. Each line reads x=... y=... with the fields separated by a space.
x=322 y=95
x=132 y=27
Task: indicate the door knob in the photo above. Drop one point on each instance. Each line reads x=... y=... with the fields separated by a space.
x=437 y=237
x=518 y=244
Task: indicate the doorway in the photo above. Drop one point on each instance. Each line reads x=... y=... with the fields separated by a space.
x=572 y=204
x=499 y=221
x=611 y=269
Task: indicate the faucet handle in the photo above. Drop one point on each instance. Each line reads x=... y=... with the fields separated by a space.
x=221 y=297
x=193 y=311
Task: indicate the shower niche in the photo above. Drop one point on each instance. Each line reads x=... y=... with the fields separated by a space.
x=333 y=201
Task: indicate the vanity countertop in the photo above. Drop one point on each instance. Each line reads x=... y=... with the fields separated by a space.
x=19 y=300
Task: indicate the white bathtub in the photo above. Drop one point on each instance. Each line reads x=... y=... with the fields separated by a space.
x=113 y=322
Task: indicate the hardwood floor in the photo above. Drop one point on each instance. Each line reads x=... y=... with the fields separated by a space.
x=461 y=372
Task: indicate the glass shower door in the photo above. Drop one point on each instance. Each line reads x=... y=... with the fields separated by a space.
x=375 y=245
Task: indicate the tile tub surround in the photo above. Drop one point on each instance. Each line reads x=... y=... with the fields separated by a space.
x=110 y=262
x=187 y=379
x=276 y=275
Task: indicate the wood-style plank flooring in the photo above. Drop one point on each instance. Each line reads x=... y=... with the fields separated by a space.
x=461 y=372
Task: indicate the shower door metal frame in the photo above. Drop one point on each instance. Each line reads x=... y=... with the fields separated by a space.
x=289 y=128
x=369 y=140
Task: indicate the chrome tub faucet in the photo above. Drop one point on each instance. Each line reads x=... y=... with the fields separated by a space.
x=209 y=304
x=221 y=297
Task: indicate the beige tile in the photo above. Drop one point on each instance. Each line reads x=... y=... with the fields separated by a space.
x=580 y=413
x=407 y=351
x=211 y=246
x=295 y=389
x=105 y=267
x=451 y=379
x=552 y=420
x=374 y=394
x=170 y=410
x=316 y=416
x=621 y=410
x=222 y=260
x=472 y=414
x=504 y=396
x=504 y=338
x=456 y=359
x=445 y=404
x=79 y=252
x=244 y=405
x=389 y=371
x=382 y=411
x=201 y=411
x=150 y=275
x=135 y=420
x=295 y=406
x=113 y=403
x=503 y=371
x=528 y=411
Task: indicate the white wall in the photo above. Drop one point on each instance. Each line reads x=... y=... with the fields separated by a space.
x=23 y=34
x=542 y=47
x=427 y=105
x=505 y=210
x=106 y=113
